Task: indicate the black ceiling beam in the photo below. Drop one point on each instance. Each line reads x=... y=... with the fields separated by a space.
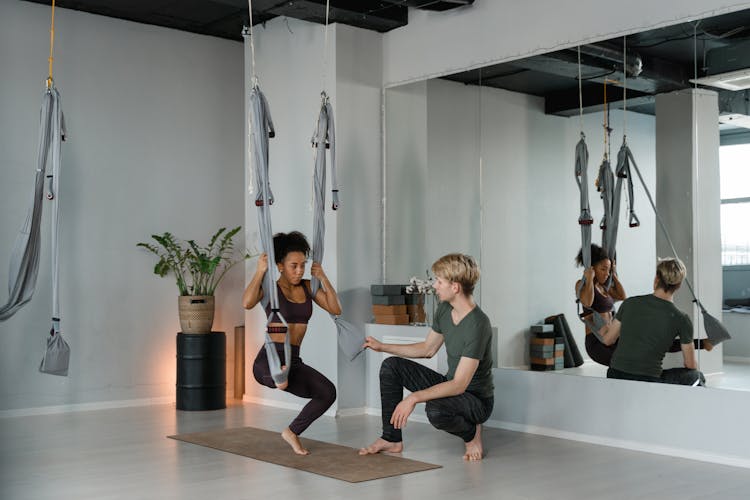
x=225 y=18
x=565 y=103
x=657 y=75
x=436 y=5
x=364 y=14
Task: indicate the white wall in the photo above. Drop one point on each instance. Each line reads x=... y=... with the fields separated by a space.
x=154 y=121
x=358 y=132
x=432 y=146
x=489 y=32
x=452 y=189
x=292 y=85
x=658 y=418
x=577 y=407
x=531 y=205
x=406 y=167
x=687 y=197
x=352 y=243
x=529 y=231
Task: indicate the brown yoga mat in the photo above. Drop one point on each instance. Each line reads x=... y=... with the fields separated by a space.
x=326 y=459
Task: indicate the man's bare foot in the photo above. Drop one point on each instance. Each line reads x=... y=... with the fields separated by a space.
x=381 y=444
x=474 y=450
x=293 y=440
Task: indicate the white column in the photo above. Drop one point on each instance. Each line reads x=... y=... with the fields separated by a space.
x=688 y=200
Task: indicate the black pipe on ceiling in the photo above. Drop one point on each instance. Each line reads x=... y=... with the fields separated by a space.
x=437 y=5
x=634 y=64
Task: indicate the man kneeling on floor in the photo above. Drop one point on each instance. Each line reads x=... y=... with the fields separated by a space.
x=462 y=399
x=646 y=326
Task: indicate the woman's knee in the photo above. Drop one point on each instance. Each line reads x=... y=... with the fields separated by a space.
x=263 y=376
x=329 y=392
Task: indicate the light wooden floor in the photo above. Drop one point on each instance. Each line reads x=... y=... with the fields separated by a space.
x=124 y=454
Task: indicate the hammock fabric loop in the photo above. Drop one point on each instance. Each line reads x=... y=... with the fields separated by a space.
x=261 y=126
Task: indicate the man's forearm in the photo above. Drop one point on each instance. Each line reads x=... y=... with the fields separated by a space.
x=418 y=350
x=441 y=390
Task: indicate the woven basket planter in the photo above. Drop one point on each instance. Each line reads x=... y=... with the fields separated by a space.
x=196 y=313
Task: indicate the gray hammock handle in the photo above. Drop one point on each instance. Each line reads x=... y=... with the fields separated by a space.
x=715 y=331
x=323 y=137
x=24 y=260
x=260 y=130
x=585 y=221
x=279 y=372
x=661 y=224
x=350 y=338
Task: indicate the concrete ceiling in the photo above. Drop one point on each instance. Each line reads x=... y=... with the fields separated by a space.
x=225 y=18
x=665 y=55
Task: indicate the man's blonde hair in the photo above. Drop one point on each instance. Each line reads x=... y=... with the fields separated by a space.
x=458 y=268
x=669 y=274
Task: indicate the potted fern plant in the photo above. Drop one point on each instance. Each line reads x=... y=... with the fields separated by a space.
x=198 y=270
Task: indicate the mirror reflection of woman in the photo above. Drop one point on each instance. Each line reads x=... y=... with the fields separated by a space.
x=295 y=303
x=594 y=295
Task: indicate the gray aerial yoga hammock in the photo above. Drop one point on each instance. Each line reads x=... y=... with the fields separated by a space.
x=715 y=331
x=261 y=128
x=585 y=221
x=611 y=193
x=24 y=261
x=350 y=338
x=612 y=196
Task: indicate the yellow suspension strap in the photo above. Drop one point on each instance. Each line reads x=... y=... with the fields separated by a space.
x=51 y=45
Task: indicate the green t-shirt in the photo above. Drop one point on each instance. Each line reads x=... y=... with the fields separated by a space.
x=649 y=326
x=471 y=337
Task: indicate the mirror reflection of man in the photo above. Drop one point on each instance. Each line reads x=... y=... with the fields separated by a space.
x=646 y=326
x=462 y=399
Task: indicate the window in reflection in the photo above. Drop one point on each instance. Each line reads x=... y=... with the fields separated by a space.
x=735 y=204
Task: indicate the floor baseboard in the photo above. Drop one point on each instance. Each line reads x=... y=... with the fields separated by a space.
x=99 y=405
x=619 y=443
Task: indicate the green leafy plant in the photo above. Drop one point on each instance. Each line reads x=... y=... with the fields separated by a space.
x=198 y=269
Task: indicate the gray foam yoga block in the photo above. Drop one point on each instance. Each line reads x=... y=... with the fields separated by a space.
x=388 y=300
x=386 y=289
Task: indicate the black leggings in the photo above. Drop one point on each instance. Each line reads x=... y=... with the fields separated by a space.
x=602 y=353
x=678 y=376
x=304 y=381
x=458 y=415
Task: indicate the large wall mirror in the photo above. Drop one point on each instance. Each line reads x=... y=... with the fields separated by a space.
x=482 y=162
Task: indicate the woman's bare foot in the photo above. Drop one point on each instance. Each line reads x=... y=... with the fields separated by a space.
x=293 y=440
x=381 y=444
x=474 y=450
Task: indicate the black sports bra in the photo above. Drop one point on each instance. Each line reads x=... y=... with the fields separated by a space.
x=293 y=312
x=602 y=303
